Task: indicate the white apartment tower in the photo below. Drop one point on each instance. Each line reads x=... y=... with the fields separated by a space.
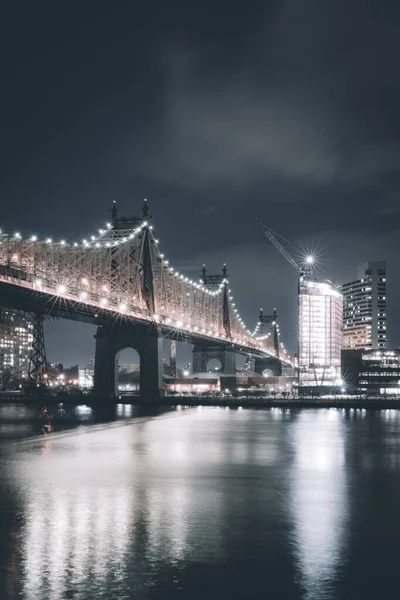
x=320 y=333
x=364 y=312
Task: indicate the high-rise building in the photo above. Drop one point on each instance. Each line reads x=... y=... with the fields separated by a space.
x=16 y=335
x=320 y=333
x=364 y=311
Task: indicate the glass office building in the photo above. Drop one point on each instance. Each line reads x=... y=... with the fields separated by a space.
x=320 y=333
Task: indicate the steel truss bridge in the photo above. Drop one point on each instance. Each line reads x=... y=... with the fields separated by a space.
x=119 y=279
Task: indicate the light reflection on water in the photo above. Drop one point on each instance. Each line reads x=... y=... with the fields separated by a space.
x=210 y=502
x=318 y=499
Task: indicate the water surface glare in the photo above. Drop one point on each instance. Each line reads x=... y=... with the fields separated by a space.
x=204 y=503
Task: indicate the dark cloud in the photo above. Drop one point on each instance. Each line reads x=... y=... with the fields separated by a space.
x=230 y=135
x=387 y=210
x=308 y=101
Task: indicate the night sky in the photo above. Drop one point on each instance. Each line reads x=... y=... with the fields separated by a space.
x=217 y=112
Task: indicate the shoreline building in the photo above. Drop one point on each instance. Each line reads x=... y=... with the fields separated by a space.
x=373 y=372
x=364 y=310
x=16 y=336
x=320 y=333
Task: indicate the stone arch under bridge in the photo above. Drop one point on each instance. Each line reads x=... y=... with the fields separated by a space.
x=203 y=353
x=271 y=364
x=148 y=343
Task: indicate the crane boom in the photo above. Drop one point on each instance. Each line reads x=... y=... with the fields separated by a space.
x=268 y=233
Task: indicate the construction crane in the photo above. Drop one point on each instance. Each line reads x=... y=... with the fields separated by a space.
x=302 y=271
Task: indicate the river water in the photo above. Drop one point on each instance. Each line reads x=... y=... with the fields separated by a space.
x=201 y=503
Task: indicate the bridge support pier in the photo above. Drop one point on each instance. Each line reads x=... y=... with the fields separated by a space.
x=147 y=341
x=37 y=361
x=271 y=364
x=202 y=354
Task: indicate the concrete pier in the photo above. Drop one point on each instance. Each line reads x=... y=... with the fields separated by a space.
x=268 y=364
x=147 y=341
x=203 y=353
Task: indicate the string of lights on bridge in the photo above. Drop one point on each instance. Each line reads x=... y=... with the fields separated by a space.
x=100 y=241
x=94 y=243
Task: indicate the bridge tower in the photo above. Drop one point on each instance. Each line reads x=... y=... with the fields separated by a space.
x=268 y=326
x=203 y=352
x=145 y=338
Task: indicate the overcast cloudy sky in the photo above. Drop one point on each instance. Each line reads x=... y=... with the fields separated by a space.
x=217 y=112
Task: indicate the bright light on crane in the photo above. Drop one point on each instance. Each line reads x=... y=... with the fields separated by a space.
x=309 y=259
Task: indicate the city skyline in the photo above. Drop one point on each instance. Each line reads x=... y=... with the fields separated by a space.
x=288 y=277
x=321 y=316
x=72 y=358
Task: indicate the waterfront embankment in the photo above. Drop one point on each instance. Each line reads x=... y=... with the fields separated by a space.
x=347 y=402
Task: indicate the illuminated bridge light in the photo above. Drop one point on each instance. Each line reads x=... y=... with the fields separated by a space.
x=122 y=307
x=61 y=290
x=179 y=324
x=83 y=295
x=103 y=301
